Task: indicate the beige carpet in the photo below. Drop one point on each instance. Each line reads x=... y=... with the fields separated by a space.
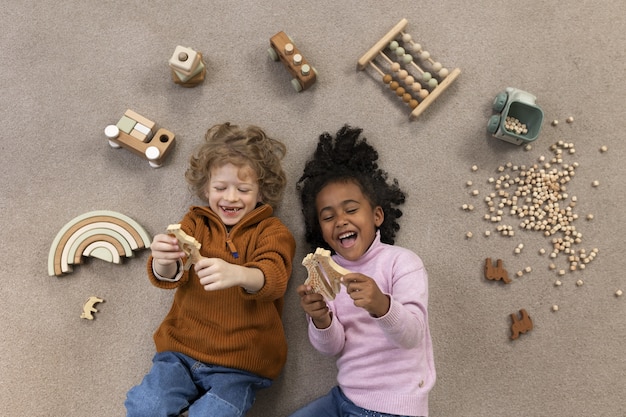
x=70 y=68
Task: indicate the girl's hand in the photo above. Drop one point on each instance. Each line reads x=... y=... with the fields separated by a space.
x=366 y=294
x=315 y=306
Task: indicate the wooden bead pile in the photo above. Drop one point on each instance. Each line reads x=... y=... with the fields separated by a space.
x=514 y=125
x=537 y=196
x=415 y=77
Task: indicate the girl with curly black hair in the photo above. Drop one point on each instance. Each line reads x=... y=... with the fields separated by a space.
x=377 y=328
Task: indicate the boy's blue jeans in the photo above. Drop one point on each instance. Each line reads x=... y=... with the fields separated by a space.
x=177 y=382
x=336 y=404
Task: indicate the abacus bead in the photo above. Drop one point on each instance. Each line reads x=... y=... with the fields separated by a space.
x=406 y=97
x=416 y=87
x=393 y=85
x=413 y=104
x=395 y=67
x=403 y=74
x=417 y=47
x=407 y=58
x=393 y=45
x=400 y=91
x=444 y=73
x=406 y=37
x=423 y=93
x=426 y=76
x=433 y=82
x=437 y=66
x=425 y=55
x=409 y=80
x=399 y=51
x=387 y=78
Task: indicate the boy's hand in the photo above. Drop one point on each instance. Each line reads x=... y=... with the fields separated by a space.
x=165 y=249
x=217 y=274
x=366 y=294
x=315 y=306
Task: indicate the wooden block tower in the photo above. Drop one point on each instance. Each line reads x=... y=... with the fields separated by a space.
x=188 y=67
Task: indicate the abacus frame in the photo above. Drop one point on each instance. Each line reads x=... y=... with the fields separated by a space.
x=367 y=59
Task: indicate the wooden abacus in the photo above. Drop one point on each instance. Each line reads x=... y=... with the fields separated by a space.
x=424 y=82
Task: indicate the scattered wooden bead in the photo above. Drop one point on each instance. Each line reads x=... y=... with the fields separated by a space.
x=589 y=216
x=603 y=148
x=595 y=183
x=555 y=307
x=555 y=122
x=570 y=119
x=579 y=283
x=619 y=293
x=469 y=235
x=557 y=283
x=474 y=168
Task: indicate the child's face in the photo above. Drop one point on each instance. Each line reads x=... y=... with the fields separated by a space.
x=347 y=219
x=232 y=192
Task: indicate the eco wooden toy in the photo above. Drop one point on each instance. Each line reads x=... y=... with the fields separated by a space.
x=519 y=117
x=283 y=48
x=137 y=134
x=496 y=273
x=88 y=308
x=106 y=235
x=522 y=324
x=324 y=274
x=423 y=80
x=187 y=67
x=188 y=244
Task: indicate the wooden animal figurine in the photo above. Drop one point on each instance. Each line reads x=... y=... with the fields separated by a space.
x=188 y=244
x=324 y=273
x=520 y=325
x=89 y=308
x=496 y=273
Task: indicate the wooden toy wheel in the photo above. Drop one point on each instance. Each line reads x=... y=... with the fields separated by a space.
x=296 y=84
x=153 y=154
x=272 y=53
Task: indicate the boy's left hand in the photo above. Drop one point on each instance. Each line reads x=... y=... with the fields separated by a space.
x=366 y=294
x=216 y=274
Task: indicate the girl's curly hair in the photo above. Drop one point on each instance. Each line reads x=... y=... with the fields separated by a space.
x=348 y=158
x=226 y=143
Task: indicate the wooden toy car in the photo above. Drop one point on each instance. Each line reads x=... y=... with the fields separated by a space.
x=137 y=134
x=304 y=75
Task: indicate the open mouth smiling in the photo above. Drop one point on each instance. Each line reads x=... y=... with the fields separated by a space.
x=230 y=210
x=347 y=238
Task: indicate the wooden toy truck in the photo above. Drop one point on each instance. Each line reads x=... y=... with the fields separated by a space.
x=137 y=134
x=282 y=47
